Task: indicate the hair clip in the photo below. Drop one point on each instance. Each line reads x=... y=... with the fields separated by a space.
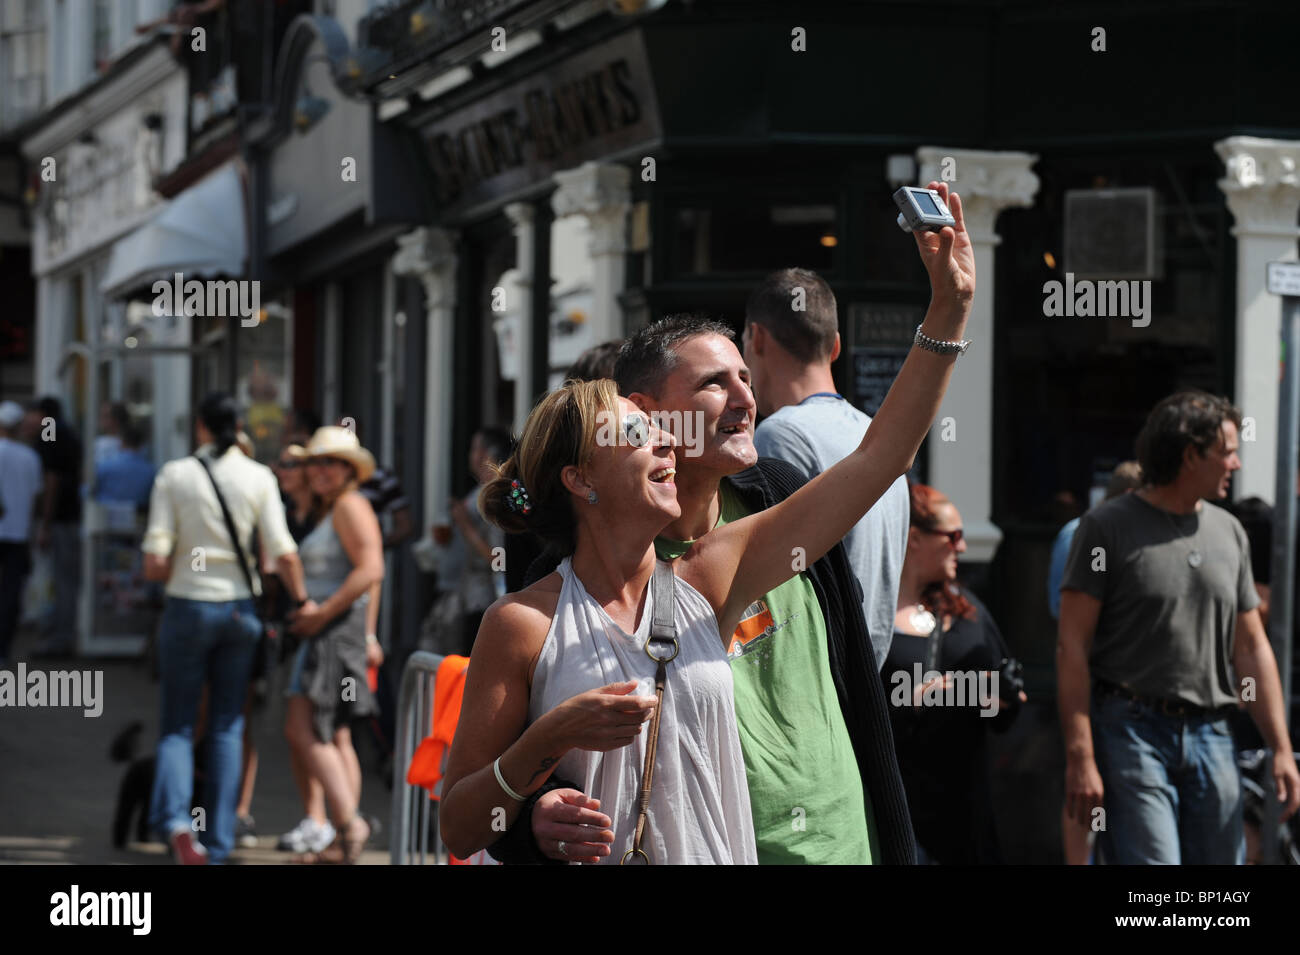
x=517 y=498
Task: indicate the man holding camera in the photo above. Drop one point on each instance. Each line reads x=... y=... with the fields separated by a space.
x=814 y=725
x=1158 y=611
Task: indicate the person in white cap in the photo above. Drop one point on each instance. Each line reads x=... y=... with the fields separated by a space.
x=343 y=558
x=20 y=482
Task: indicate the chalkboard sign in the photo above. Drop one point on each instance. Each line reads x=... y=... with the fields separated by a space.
x=874 y=370
x=880 y=336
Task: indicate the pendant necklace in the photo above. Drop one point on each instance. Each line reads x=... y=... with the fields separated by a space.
x=922 y=621
x=1194 y=558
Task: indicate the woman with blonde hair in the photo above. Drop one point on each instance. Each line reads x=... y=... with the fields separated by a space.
x=342 y=558
x=565 y=673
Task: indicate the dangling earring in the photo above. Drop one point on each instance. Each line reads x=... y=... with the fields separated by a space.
x=591 y=497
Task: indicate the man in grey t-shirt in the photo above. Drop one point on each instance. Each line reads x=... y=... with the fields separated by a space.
x=791 y=338
x=1159 y=640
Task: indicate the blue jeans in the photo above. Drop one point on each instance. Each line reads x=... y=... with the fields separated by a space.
x=65 y=568
x=1172 y=788
x=203 y=642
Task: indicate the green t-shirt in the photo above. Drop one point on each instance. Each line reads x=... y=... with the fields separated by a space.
x=805 y=790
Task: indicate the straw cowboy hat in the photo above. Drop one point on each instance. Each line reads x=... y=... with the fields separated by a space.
x=332 y=441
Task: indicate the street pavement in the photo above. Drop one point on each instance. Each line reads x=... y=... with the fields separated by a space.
x=58 y=786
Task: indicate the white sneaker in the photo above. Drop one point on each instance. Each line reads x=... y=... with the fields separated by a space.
x=295 y=840
x=320 y=837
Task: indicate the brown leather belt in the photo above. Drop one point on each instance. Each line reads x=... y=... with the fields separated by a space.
x=1176 y=708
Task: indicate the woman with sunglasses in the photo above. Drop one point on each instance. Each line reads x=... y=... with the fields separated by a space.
x=300 y=502
x=342 y=559
x=562 y=677
x=946 y=648
x=313 y=833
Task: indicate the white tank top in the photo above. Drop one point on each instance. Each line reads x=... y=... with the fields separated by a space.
x=699 y=805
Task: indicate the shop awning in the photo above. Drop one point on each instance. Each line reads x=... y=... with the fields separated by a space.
x=201 y=234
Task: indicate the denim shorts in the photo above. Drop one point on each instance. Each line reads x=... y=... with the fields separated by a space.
x=295 y=687
x=329 y=669
x=1172 y=789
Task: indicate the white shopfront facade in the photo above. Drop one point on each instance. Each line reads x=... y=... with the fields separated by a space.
x=96 y=160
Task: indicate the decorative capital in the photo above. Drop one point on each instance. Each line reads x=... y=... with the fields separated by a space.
x=987 y=182
x=1262 y=184
x=519 y=213
x=429 y=254
x=601 y=193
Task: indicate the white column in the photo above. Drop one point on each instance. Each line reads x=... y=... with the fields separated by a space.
x=519 y=306
x=601 y=194
x=430 y=255
x=51 y=300
x=962 y=467
x=1263 y=191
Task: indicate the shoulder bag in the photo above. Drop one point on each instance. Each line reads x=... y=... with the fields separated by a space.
x=266 y=644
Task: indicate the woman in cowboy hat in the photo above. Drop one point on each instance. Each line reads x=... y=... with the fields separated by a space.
x=342 y=557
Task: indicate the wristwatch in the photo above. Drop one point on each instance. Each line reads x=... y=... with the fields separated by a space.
x=923 y=340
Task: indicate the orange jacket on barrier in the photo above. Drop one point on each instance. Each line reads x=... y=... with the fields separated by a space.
x=449 y=687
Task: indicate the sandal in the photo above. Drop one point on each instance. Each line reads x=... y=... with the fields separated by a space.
x=330 y=855
x=353 y=843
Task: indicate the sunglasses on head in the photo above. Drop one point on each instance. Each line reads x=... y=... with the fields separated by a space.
x=954 y=537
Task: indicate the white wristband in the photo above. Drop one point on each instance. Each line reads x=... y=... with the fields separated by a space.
x=371 y=638
x=496 y=768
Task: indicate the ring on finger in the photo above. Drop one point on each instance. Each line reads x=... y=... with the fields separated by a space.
x=564 y=851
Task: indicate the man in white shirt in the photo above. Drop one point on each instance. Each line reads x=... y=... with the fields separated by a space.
x=20 y=483
x=210 y=629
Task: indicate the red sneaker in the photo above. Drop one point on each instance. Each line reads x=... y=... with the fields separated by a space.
x=186 y=850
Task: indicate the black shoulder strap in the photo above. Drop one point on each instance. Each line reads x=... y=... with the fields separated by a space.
x=663 y=623
x=230 y=527
x=935 y=646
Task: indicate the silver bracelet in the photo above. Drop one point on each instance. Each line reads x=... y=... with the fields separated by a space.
x=496 y=768
x=923 y=340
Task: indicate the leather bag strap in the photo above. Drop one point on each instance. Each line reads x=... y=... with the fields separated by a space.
x=662 y=648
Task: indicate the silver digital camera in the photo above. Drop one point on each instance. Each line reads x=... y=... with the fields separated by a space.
x=922 y=210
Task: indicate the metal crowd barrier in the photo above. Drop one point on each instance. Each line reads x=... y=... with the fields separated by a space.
x=415 y=816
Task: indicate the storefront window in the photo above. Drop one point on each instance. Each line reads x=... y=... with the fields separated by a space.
x=1074 y=391
x=264 y=388
x=741 y=235
x=1071 y=393
x=263 y=371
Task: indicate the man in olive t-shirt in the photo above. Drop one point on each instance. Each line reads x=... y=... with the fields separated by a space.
x=1159 y=640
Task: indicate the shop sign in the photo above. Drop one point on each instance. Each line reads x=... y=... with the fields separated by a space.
x=594 y=104
x=1284 y=278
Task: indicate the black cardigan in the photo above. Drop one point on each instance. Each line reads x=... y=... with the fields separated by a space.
x=853 y=668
